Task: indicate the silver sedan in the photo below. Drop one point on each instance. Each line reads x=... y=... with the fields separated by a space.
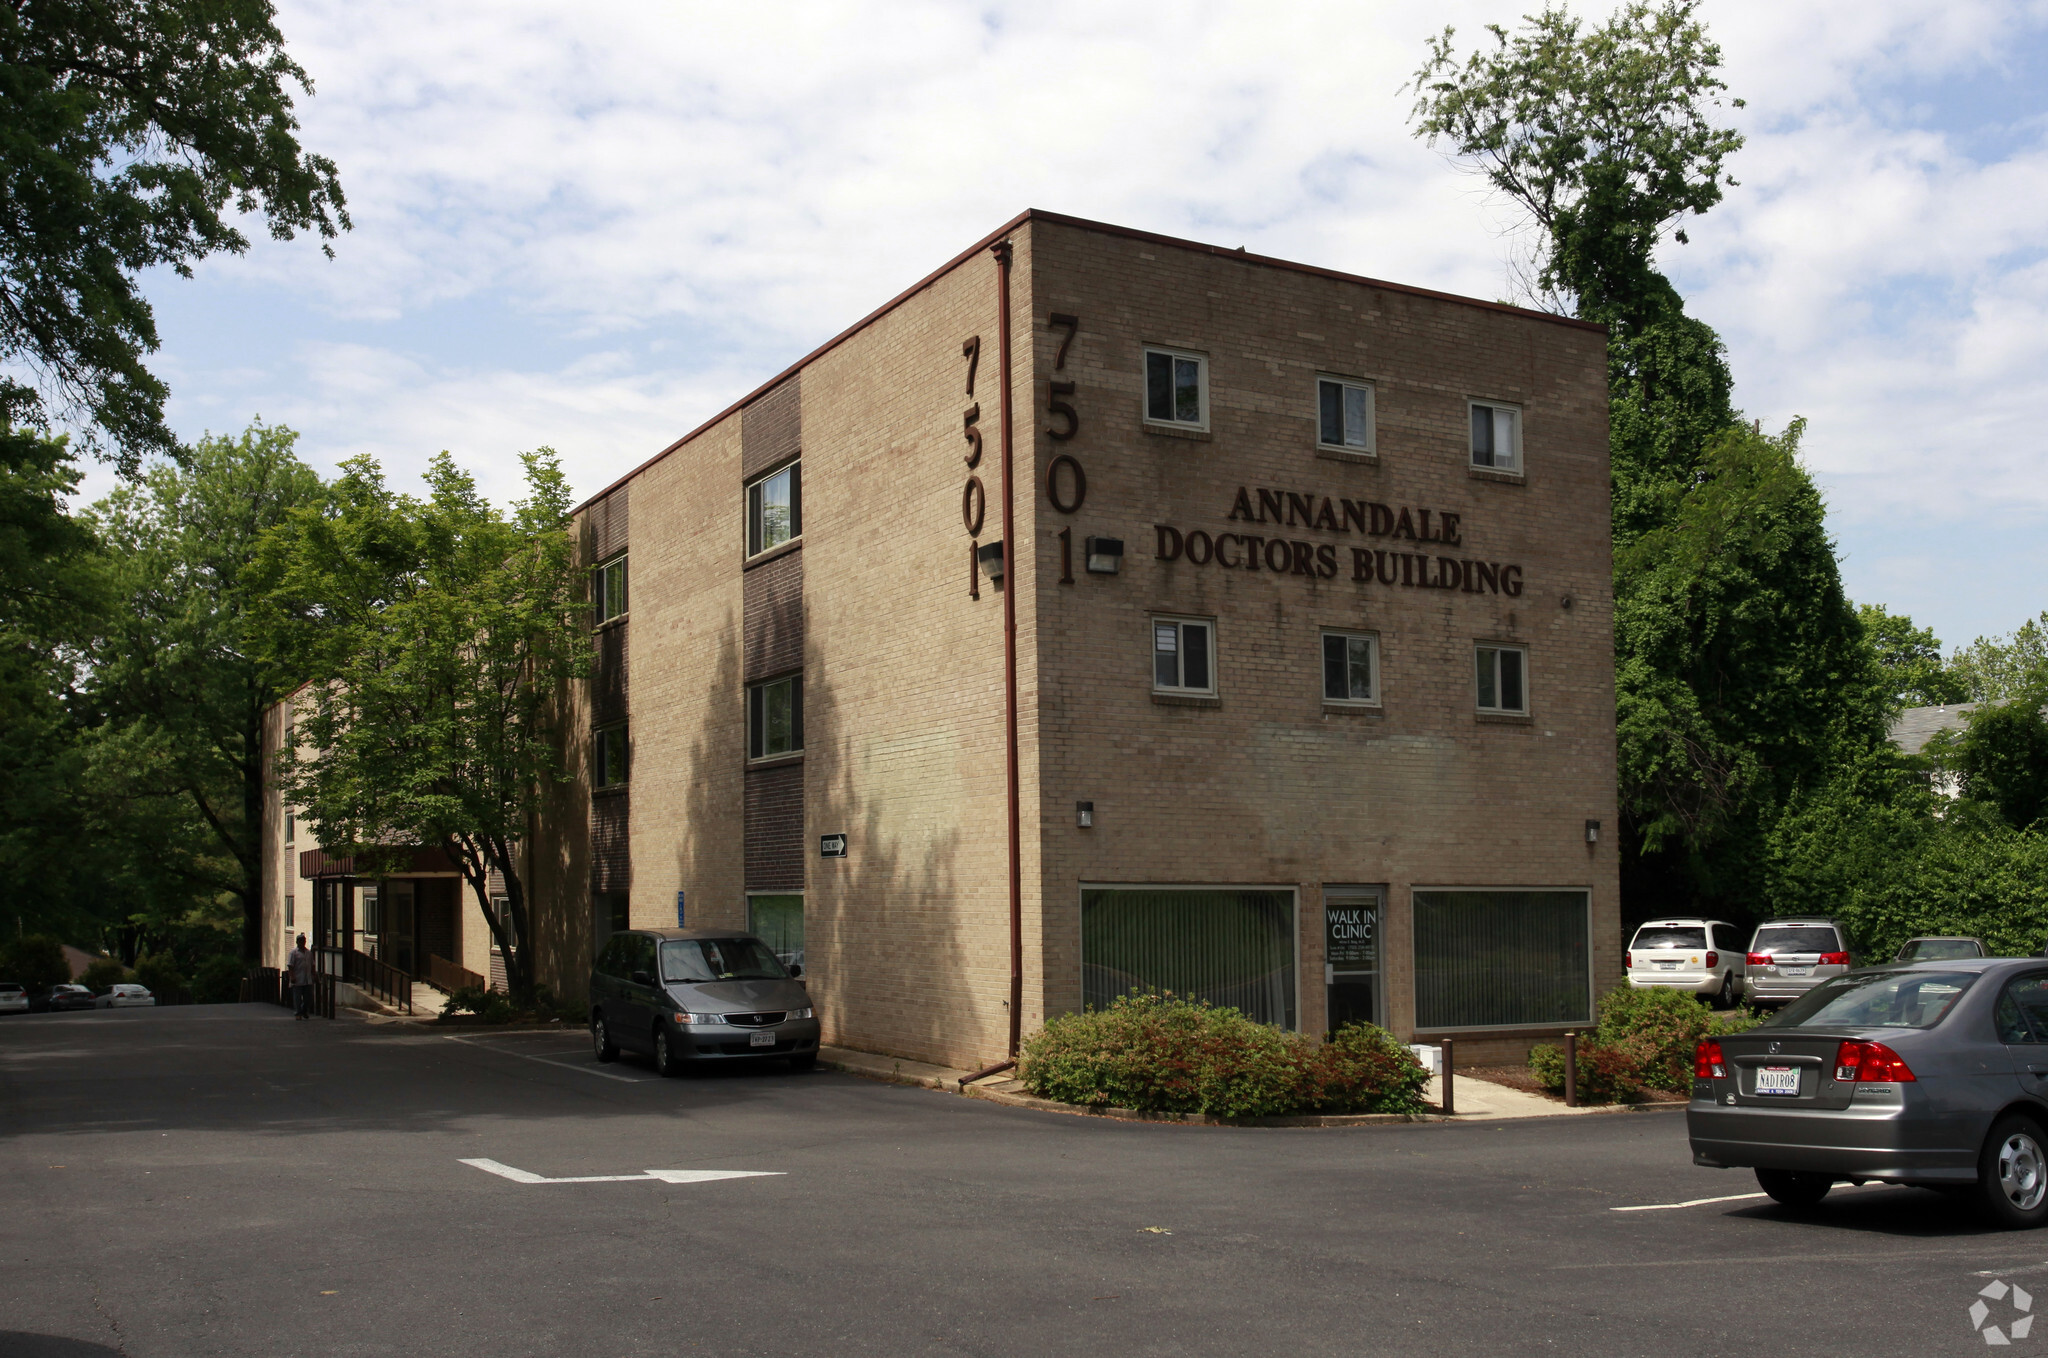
x=1927 y=1073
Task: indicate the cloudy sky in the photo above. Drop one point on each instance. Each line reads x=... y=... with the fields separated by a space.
x=593 y=226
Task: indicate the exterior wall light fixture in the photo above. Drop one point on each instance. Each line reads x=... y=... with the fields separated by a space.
x=1084 y=814
x=1592 y=832
x=991 y=554
x=1104 y=555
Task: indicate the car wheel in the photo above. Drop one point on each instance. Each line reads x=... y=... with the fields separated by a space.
x=666 y=1062
x=808 y=1061
x=1725 y=997
x=2012 y=1174
x=601 y=1039
x=1794 y=1189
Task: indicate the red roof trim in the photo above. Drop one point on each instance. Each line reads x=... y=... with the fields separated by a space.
x=1082 y=223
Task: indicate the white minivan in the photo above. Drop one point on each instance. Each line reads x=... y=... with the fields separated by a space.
x=1704 y=956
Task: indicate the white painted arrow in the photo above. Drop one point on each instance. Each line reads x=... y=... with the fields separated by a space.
x=667 y=1176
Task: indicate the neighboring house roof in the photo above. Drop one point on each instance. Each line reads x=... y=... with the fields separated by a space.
x=1914 y=727
x=78 y=959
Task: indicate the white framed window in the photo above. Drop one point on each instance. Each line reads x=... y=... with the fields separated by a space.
x=291 y=828
x=608 y=589
x=1176 y=388
x=609 y=754
x=1184 y=655
x=291 y=911
x=1503 y=675
x=1344 y=414
x=775 y=509
x=1351 y=669
x=775 y=717
x=1496 y=436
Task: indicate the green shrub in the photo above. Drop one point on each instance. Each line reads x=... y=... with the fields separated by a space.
x=492 y=1006
x=218 y=980
x=1155 y=1053
x=160 y=975
x=1644 y=1039
x=103 y=973
x=36 y=961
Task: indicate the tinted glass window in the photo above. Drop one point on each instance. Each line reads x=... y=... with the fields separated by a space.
x=1876 y=999
x=1652 y=937
x=719 y=959
x=1939 y=950
x=2024 y=1007
x=1796 y=938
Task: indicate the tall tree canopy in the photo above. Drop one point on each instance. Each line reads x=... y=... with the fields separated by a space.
x=1742 y=668
x=130 y=134
x=179 y=680
x=438 y=636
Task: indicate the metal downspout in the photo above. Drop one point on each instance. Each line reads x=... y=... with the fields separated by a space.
x=1011 y=583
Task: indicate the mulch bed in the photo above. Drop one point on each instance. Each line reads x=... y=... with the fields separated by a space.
x=1518 y=1077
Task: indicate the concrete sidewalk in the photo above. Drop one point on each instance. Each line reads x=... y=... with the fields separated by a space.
x=1477 y=1100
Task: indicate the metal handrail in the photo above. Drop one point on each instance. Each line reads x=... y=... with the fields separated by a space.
x=366 y=973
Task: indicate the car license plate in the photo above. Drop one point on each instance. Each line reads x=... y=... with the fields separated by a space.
x=1777 y=1080
x=1667 y=966
x=1796 y=971
x=761 y=1039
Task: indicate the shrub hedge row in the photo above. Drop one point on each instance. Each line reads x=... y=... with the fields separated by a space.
x=1644 y=1040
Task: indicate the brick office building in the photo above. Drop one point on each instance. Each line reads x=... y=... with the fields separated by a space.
x=1312 y=676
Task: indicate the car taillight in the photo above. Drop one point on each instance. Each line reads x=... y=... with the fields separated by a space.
x=1707 y=1061
x=1834 y=959
x=1628 y=959
x=1713 y=959
x=1759 y=959
x=1870 y=1063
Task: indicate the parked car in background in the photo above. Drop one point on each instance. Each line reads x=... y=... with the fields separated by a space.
x=1925 y=1073
x=1703 y=956
x=698 y=995
x=1788 y=957
x=13 y=997
x=68 y=997
x=125 y=996
x=1943 y=949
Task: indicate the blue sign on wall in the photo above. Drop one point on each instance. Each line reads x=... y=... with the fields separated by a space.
x=679 y=911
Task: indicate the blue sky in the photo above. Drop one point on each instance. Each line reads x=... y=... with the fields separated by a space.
x=593 y=226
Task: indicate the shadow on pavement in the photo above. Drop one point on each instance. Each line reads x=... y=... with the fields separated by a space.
x=1908 y=1213
x=15 y=1344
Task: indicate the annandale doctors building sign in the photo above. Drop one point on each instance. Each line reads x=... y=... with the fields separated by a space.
x=1390 y=565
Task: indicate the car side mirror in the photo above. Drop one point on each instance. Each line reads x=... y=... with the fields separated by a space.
x=796 y=969
x=642 y=978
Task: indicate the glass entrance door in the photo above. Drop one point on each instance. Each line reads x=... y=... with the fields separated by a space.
x=1351 y=953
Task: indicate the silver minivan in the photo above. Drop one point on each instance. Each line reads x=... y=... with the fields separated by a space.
x=1789 y=957
x=1702 y=956
x=685 y=996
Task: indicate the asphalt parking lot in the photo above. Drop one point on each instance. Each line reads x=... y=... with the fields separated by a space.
x=222 y=1180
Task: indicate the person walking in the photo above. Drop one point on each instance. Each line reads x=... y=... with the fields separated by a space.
x=298 y=970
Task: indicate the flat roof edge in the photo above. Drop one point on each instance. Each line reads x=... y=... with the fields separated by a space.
x=1084 y=224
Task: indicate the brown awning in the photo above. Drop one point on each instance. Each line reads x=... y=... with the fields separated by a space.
x=320 y=863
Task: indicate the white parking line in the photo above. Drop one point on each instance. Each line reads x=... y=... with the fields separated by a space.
x=569 y=1063
x=667 y=1176
x=1696 y=1202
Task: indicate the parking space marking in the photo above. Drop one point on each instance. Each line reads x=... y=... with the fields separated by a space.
x=1696 y=1202
x=667 y=1176
x=570 y=1063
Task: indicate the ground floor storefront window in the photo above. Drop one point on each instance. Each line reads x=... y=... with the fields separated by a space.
x=1351 y=954
x=1519 y=958
x=778 y=921
x=1223 y=945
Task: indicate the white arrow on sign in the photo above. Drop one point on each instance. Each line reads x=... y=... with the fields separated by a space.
x=667 y=1176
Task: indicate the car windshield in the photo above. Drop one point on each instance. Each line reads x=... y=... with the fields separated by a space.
x=1939 y=950
x=1652 y=936
x=719 y=959
x=1875 y=999
x=1796 y=938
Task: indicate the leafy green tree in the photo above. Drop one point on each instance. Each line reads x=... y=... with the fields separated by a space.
x=36 y=961
x=2001 y=760
x=1743 y=672
x=134 y=135
x=441 y=636
x=179 y=680
x=1914 y=673
x=104 y=972
x=1997 y=669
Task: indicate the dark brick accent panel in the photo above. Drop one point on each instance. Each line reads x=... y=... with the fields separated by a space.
x=775 y=828
x=772 y=428
x=608 y=676
x=606 y=521
x=611 y=859
x=773 y=600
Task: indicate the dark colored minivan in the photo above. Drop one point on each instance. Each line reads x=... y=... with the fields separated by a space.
x=686 y=995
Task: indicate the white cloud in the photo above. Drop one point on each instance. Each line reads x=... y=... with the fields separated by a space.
x=673 y=201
